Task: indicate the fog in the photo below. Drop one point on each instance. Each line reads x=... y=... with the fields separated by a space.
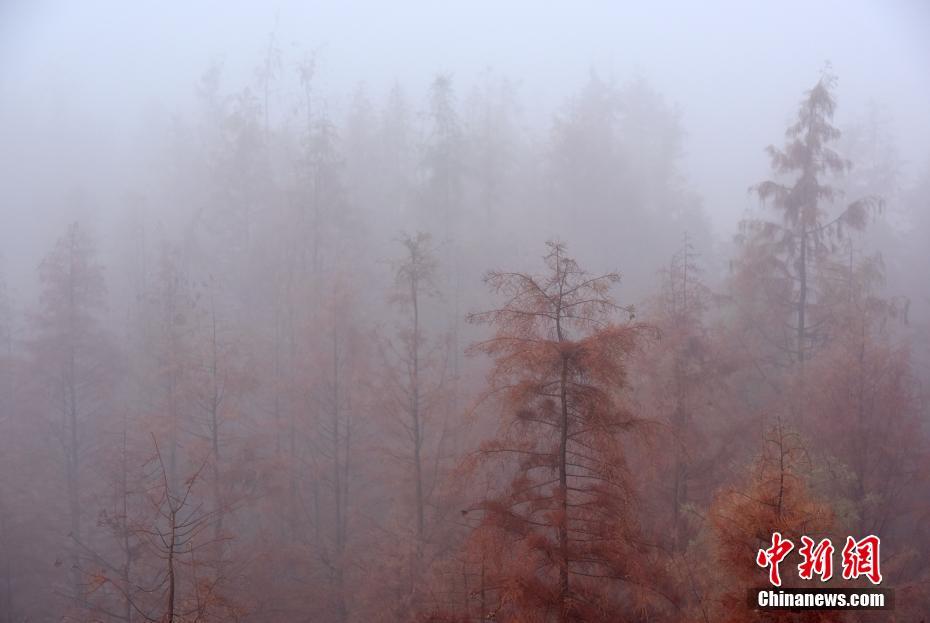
x=96 y=75
x=246 y=246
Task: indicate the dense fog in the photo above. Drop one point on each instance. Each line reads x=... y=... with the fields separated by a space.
x=412 y=311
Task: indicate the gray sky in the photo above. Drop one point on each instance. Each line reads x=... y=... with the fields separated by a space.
x=97 y=71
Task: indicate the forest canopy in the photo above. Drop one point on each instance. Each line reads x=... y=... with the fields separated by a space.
x=442 y=354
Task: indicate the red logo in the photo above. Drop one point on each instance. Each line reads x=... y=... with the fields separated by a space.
x=817 y=559
x=772 y=556
x=860 y=558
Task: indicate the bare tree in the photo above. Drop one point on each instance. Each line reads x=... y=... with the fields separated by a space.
x=416 y=372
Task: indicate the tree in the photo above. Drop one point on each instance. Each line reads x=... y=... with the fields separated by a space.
x=567 y=513
x=237 y=164
x=323 y=215
x=174 y=537
x=784 y=255
x=335 y=401
x=220 y=381
x=398 y=154
x=159 y=527
x=613 y=160
x=416 y=393
x=167 y=374
x=681 y=380
x=776 y=498
x=491 y=137
x=415 y=367
x=866 y=399
x=34 y=507
x=7 y=603
x=442 y=157
x=442 y=165
x=72 y=362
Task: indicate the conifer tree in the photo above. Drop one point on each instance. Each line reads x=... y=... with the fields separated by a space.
x=73 y=360
x=775 y=498
x=566 y=516
x=783 y=256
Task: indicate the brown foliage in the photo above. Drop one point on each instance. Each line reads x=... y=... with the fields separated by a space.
x=561 y=539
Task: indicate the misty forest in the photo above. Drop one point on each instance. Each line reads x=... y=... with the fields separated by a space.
x=439 y=352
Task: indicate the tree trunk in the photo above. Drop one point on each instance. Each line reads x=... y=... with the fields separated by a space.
x=169 y=614
x=802 y=298
x=563 y=474
x=415 y=413
x=563 y=485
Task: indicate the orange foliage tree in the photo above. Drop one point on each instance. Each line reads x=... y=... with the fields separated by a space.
x=561 y=540
x=785 y=256
x=776 y=498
